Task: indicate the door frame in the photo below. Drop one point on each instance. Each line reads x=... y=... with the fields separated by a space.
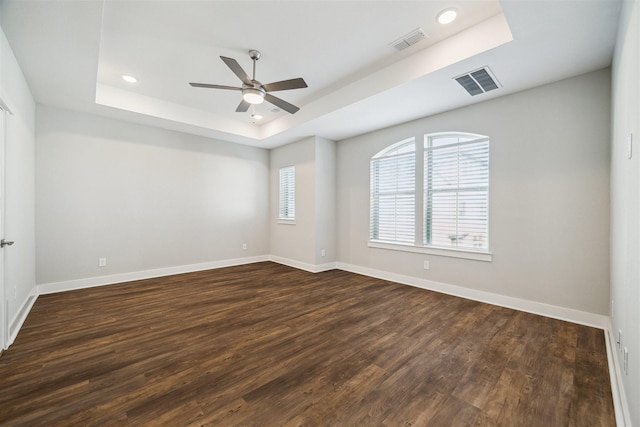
x=4 y=301
x=4 y=320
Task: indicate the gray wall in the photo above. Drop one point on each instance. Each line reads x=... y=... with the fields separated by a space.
x=142 y=197
x=315 y=227
x=19 y=185
x=549 y=196
x=325 y=201
x=294 y=241
x=625 y=201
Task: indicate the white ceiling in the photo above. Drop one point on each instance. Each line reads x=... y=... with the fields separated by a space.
x=73 y=54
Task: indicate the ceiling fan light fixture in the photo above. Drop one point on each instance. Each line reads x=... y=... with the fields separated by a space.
x=253 y=95
x=447 y=16
x=254 y=92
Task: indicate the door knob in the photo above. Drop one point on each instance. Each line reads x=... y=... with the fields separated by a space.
x=5 y=242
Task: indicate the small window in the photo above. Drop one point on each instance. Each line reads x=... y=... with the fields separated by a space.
x=287 y=210
x=393 y=193
x=456 y=191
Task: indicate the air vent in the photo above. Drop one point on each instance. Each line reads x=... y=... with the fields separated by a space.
x=478 y=81
x=409 y=39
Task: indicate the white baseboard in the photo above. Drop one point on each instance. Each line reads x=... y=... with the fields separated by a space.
x=311 y=268
x=562 y=313
x=69 y=285
x=18 y=320
x=547 y=310
x=623 y=417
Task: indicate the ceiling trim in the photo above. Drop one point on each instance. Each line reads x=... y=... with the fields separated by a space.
x=475 y=40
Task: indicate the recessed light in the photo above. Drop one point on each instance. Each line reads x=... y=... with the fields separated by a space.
x=129 y=79
x=447 y=16
x=256 y=116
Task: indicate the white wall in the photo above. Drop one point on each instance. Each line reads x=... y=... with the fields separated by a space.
x=549 y=196
x=625 y=200
x=19 y=185
x=142 y=197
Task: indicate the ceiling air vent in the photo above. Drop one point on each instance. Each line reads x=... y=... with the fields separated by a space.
x=478 y=81
x=409 y=39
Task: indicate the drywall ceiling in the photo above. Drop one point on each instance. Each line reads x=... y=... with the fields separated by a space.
x=73 y=54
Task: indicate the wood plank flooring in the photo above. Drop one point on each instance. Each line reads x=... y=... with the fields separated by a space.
x=268 y=345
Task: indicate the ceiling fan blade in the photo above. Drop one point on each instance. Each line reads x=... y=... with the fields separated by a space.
x=243 y=107
x=298 y=83
x=206 y=85
x=281 y=103
x=237 y=69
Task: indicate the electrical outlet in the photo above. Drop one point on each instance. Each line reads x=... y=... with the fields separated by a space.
x=244 y=246
x=323 y=253
x=626 y=361
x=102 y=262
x=426 y=265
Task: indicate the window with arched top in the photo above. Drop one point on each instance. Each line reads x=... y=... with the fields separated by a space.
x=433 y=196
x=456 y=191
x=393 y=193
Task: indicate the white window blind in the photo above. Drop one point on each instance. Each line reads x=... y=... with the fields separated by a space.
x=287 y=205
x=393 y=187
x=456 y=191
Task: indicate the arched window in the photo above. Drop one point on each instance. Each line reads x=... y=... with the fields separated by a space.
x=453 y=193
x=456 y=191
x=393 y=193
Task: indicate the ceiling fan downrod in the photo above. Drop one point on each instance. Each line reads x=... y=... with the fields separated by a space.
x=254 y=55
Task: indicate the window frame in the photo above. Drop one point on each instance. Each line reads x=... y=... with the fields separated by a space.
x=287 y=181
x=420 y=174
x=456 y=190
x=376 y=194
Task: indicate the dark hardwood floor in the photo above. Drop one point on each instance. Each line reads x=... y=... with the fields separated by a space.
x=268 y=345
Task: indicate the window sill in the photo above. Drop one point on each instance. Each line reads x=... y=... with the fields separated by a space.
x=453 y=253
x=287 y=221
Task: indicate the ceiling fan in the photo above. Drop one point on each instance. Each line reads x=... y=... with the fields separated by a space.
x=254 y=92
